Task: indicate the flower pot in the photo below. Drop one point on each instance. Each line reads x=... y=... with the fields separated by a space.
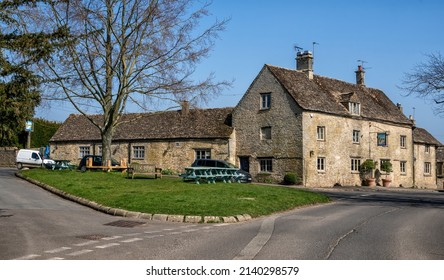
x=371 y=182
x=386 y=182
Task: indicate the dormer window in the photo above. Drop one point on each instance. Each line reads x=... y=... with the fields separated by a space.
x=354 y=108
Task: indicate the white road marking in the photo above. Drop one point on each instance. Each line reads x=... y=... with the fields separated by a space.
x=154 y=236
x=56 y=259
x=78 y=253
x=174 y=233
x=111 y=237
x=28 y=257
x=259 y=241
x=58 y=250
x=191 y=230
x=107 y=245
x=86 y=243
x=131 y=240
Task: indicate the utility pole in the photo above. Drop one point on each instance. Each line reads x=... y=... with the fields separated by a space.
x=28 y=128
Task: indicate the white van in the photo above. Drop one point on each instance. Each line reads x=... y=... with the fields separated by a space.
x=30 y=158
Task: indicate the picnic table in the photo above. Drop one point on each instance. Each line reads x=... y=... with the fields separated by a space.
x=211 y=174
x=62 y=164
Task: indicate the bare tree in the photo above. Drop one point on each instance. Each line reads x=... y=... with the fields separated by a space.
x=427 y=81
x=127 y=52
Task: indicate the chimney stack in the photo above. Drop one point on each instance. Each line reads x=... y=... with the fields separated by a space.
x=304 y=63
x=185 y=107
x=360 y=76
x=400 y=107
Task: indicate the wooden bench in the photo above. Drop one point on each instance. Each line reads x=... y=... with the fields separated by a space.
x=143 y=169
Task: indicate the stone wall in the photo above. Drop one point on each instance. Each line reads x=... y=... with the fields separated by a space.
x=338 y=149
x=425 y=180
x=7 y=156
x=172 y=155
x=284 y=118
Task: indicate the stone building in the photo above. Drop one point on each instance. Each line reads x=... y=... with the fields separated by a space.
x=170 y=140
x=288 y=121
x=426 y=160
x=322 y=129
x=440 y=167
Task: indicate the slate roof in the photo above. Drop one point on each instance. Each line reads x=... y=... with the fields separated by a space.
x=422 y=136
x=328 y=95
x=196 y=124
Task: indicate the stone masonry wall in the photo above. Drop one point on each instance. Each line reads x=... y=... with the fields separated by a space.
x=338 y=149
x=7 y=156
x=422 y=178
x=285 y=121
x=173 y=155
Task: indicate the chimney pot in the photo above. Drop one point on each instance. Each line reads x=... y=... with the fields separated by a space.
x=185 y=107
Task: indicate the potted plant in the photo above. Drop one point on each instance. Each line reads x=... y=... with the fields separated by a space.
x=386 y=166
x=367 y=168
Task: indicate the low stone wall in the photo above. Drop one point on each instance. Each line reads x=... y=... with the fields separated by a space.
x=7 y=156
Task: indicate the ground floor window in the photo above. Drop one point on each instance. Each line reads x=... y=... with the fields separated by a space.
x=84 y=151
x=203 y=153
x=439 y=169
x=355 y=164
x=321 y=164
x=402 y=167
x=427 y=168
x=138 y=152
x=266 y=164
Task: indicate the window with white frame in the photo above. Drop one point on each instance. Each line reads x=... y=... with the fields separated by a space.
x=427 y=168
x=138 y=152
x=203 y=153
x=402 y=167
x=266 y=133
x=356 y=136
x=354 y=108
x=355 y=164
x=84 y=151
x=403 y=141
x=320 y=133
x=265 y=101
x=266 y=164
x=320 y=164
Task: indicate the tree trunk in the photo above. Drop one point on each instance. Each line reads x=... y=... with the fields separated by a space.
x=107 y=135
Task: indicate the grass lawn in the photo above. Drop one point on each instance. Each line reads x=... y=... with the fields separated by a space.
x=173 y=196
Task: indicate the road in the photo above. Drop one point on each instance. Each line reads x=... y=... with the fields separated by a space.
x=358 y=224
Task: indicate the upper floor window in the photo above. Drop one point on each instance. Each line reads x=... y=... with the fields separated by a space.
x=382 y=139
x=138 y=152
x=427 y=149
x=403 y=141
x=84 y=151
x=266 y=133
x=354 y=108
x=265 y=101
x=356 y=136
x=320 y=131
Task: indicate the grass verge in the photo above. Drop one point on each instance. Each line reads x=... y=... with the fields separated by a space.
x=173 y=196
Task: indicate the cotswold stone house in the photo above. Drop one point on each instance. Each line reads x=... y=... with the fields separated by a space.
x=323 y=129
x=288 y=121
x=170 y=140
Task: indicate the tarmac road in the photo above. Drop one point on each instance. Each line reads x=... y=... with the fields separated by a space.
x=358 y=224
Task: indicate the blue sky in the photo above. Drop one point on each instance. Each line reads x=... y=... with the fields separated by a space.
x=391 y=36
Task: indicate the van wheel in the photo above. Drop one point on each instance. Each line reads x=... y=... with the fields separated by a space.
x=83 y=168
x=19 y=165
